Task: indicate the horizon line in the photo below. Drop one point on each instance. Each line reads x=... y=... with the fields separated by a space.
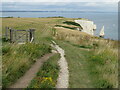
x=58 y=11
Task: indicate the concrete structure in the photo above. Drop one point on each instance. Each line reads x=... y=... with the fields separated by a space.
x=88 y=26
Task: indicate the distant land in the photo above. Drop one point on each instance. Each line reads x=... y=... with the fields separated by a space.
x=64 y=11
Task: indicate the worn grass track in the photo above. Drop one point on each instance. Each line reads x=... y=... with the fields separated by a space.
x=77 y=63
x=25 y=80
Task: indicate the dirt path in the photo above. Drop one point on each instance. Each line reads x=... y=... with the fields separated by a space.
x=63 y=78
x=25 y=80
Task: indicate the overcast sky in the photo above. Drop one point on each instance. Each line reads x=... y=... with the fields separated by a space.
x=60 y=0
x=56 y=5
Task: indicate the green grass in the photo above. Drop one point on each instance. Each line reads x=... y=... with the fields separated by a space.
x=103 y=67
x=47 y=76
x=73 y=28
x=93 y=68
x=77 y=64
x=18 y=58
x=92 y=61
x=28 y=53
x=72 y=23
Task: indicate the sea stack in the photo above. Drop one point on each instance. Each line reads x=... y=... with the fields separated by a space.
x=102 y=33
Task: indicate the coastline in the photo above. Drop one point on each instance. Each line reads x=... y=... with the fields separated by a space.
x=106 y=38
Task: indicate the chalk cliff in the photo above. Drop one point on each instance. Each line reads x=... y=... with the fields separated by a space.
x=88 y=26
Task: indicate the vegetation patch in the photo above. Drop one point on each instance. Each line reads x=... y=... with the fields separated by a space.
x=47 y=76
x=73 y=28
x=95 y=68
x=78 y=71
x=103 y=64
x=84 y=46
x=72 y=23
x=18 y=58
x=56 y=17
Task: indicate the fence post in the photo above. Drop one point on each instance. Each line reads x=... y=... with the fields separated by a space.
x=6 y=33
x=27 y=40
x=15 y=38
x=31 y=35
x=11 y=36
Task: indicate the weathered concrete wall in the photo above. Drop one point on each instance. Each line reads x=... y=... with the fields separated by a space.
x=88 y=26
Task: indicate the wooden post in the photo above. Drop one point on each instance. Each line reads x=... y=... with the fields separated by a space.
x=15 y=38
x=6 y=33
x=11 y=35
x=27 y=40
x=31 y=34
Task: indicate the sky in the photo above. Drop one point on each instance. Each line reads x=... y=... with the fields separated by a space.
x=57 y=5
x=60 y=0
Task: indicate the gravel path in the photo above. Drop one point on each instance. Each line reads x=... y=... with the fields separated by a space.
x=25 y=80
x=63 y=78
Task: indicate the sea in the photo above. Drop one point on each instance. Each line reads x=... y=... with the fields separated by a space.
x=107 y=19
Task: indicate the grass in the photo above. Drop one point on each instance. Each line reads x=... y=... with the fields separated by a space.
x=47 y=76
x=93 y=68
x=73 y=28
x=73 y=36
x=77 y=64
x=104 y=66
x=25 y=55
x=100 y=56
x=72 y=23
x=92 y=61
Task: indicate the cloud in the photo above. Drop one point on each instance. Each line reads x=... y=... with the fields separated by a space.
x=100 y=4
x=59 y=6
x=60 y=0
x=91 y=4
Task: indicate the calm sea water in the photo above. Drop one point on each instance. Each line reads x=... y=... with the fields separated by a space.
x=109 y=20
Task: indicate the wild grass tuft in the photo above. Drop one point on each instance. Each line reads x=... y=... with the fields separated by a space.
x=104 y=65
